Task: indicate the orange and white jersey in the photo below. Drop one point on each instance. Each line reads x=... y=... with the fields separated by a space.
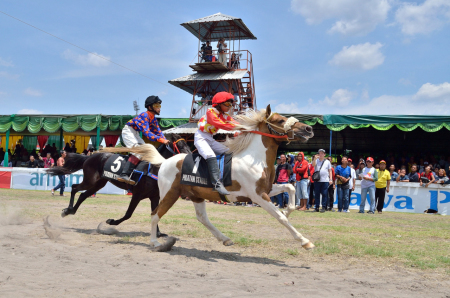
x=214 y=120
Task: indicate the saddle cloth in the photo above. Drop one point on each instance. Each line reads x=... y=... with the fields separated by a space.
x=115 y=164
x=195 y=170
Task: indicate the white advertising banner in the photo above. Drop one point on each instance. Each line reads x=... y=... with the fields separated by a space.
x=37 y=179
x=408 y=197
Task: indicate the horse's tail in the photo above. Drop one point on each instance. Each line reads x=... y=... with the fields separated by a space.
x=72 y=163
x=146 y=151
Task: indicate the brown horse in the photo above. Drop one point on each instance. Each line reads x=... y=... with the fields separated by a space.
x=254 y=153
x=92 y=181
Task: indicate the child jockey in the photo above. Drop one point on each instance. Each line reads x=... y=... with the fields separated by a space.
x=216 y=118
x=147 y=123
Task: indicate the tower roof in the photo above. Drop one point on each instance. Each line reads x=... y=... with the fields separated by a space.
x=218 y=26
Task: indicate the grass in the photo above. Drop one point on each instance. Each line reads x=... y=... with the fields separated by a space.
x=412 y=240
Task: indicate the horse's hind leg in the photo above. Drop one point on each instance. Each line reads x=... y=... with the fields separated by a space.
x=200 y=210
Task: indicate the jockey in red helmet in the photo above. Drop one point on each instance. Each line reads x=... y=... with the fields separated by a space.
x=216 y=118
x=146 y=123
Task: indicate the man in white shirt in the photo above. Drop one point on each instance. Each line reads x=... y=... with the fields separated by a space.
x=321 y=187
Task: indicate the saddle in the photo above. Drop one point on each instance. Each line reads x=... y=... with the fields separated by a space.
x=114 y=167
x=195 y=170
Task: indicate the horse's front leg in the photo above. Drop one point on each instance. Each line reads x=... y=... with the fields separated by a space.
x=266 y=204
x=280 y=188
x=200 y=210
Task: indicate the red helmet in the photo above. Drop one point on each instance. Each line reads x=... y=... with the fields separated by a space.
x=221 y=97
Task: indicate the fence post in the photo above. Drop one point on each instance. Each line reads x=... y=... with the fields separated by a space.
x=5 y=160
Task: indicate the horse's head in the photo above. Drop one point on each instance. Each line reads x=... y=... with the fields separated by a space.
x=295 y=130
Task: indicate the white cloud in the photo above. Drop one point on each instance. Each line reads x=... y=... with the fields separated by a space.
x=7 y=75
x=289 y=108
x=430 y=99
x=183 y=112
x=430 y=91
x=353 y=17
x=404 y=81
x=87 y=60
x=32 y=92
x=6 y=63
x=29 y=112
x=362 y=56
x=340 y=98
x=424 y=18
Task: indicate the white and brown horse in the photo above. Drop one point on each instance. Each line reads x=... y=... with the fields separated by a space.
x=254 y=154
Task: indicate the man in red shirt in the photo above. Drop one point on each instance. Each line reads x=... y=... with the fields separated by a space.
x=48 y=161
x=62 y=178
x=302 y=176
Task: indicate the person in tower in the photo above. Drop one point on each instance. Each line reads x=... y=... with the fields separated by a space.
x=216 y=118
x=147 y=123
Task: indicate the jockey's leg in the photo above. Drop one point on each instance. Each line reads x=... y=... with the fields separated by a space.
x=205 y=144
x=131 y=138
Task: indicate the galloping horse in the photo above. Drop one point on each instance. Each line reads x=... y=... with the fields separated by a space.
x=92 y=182
x=254 y=153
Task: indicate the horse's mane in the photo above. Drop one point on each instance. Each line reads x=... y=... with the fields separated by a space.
x=247 y=122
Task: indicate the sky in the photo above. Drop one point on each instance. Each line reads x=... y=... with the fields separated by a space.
x=310 y=56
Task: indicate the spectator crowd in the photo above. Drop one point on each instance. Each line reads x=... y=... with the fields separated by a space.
x=316 y=180
x=45 y=158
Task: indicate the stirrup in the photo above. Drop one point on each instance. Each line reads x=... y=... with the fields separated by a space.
x=126 y=180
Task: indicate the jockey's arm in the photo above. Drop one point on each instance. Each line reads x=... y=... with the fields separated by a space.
x=214 y=120
x=152 y=131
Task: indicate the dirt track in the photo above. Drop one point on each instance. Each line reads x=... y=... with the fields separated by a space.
x=82 y=263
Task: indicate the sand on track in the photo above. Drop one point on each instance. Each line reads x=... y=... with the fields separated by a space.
x=80 y=262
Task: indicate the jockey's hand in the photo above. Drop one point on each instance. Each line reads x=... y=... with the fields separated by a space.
x=166 y=142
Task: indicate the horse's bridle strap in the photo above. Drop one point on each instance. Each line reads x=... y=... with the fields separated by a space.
x=269 y=135
x=178 y=141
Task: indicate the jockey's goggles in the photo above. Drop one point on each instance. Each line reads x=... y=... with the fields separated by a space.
x=156 y=105
x=227 y=104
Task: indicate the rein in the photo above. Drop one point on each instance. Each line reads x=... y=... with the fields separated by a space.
x=275 y=134
x=174 y=147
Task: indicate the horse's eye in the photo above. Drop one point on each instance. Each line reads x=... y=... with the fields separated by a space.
x=281 y=121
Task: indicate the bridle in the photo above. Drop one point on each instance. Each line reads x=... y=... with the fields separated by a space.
x=174 y=147
x=288 y=133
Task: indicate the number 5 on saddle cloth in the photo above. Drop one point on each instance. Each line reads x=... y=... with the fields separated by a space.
x=114 y=167
x=195 y=170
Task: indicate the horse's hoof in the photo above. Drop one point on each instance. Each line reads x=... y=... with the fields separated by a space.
x=110 y=222
x=308 y=246
x=63 y=213
x=228 y=242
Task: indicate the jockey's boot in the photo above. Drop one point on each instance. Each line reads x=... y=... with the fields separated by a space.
x=214 y=174
x=131 y=164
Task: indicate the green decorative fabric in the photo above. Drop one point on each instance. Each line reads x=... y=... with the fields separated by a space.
x=313 y=121
x=385 y=122
x=69 y=123
x=94 y=141
x=53 y=139
x=169 y=123
x=29 y=142
x=384 y=119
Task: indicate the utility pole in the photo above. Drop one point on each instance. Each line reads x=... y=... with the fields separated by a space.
x=136 y=107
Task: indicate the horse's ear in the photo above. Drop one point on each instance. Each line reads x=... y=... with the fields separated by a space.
x=268 y=111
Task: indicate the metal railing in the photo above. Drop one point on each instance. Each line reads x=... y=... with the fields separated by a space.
x=237 y=61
